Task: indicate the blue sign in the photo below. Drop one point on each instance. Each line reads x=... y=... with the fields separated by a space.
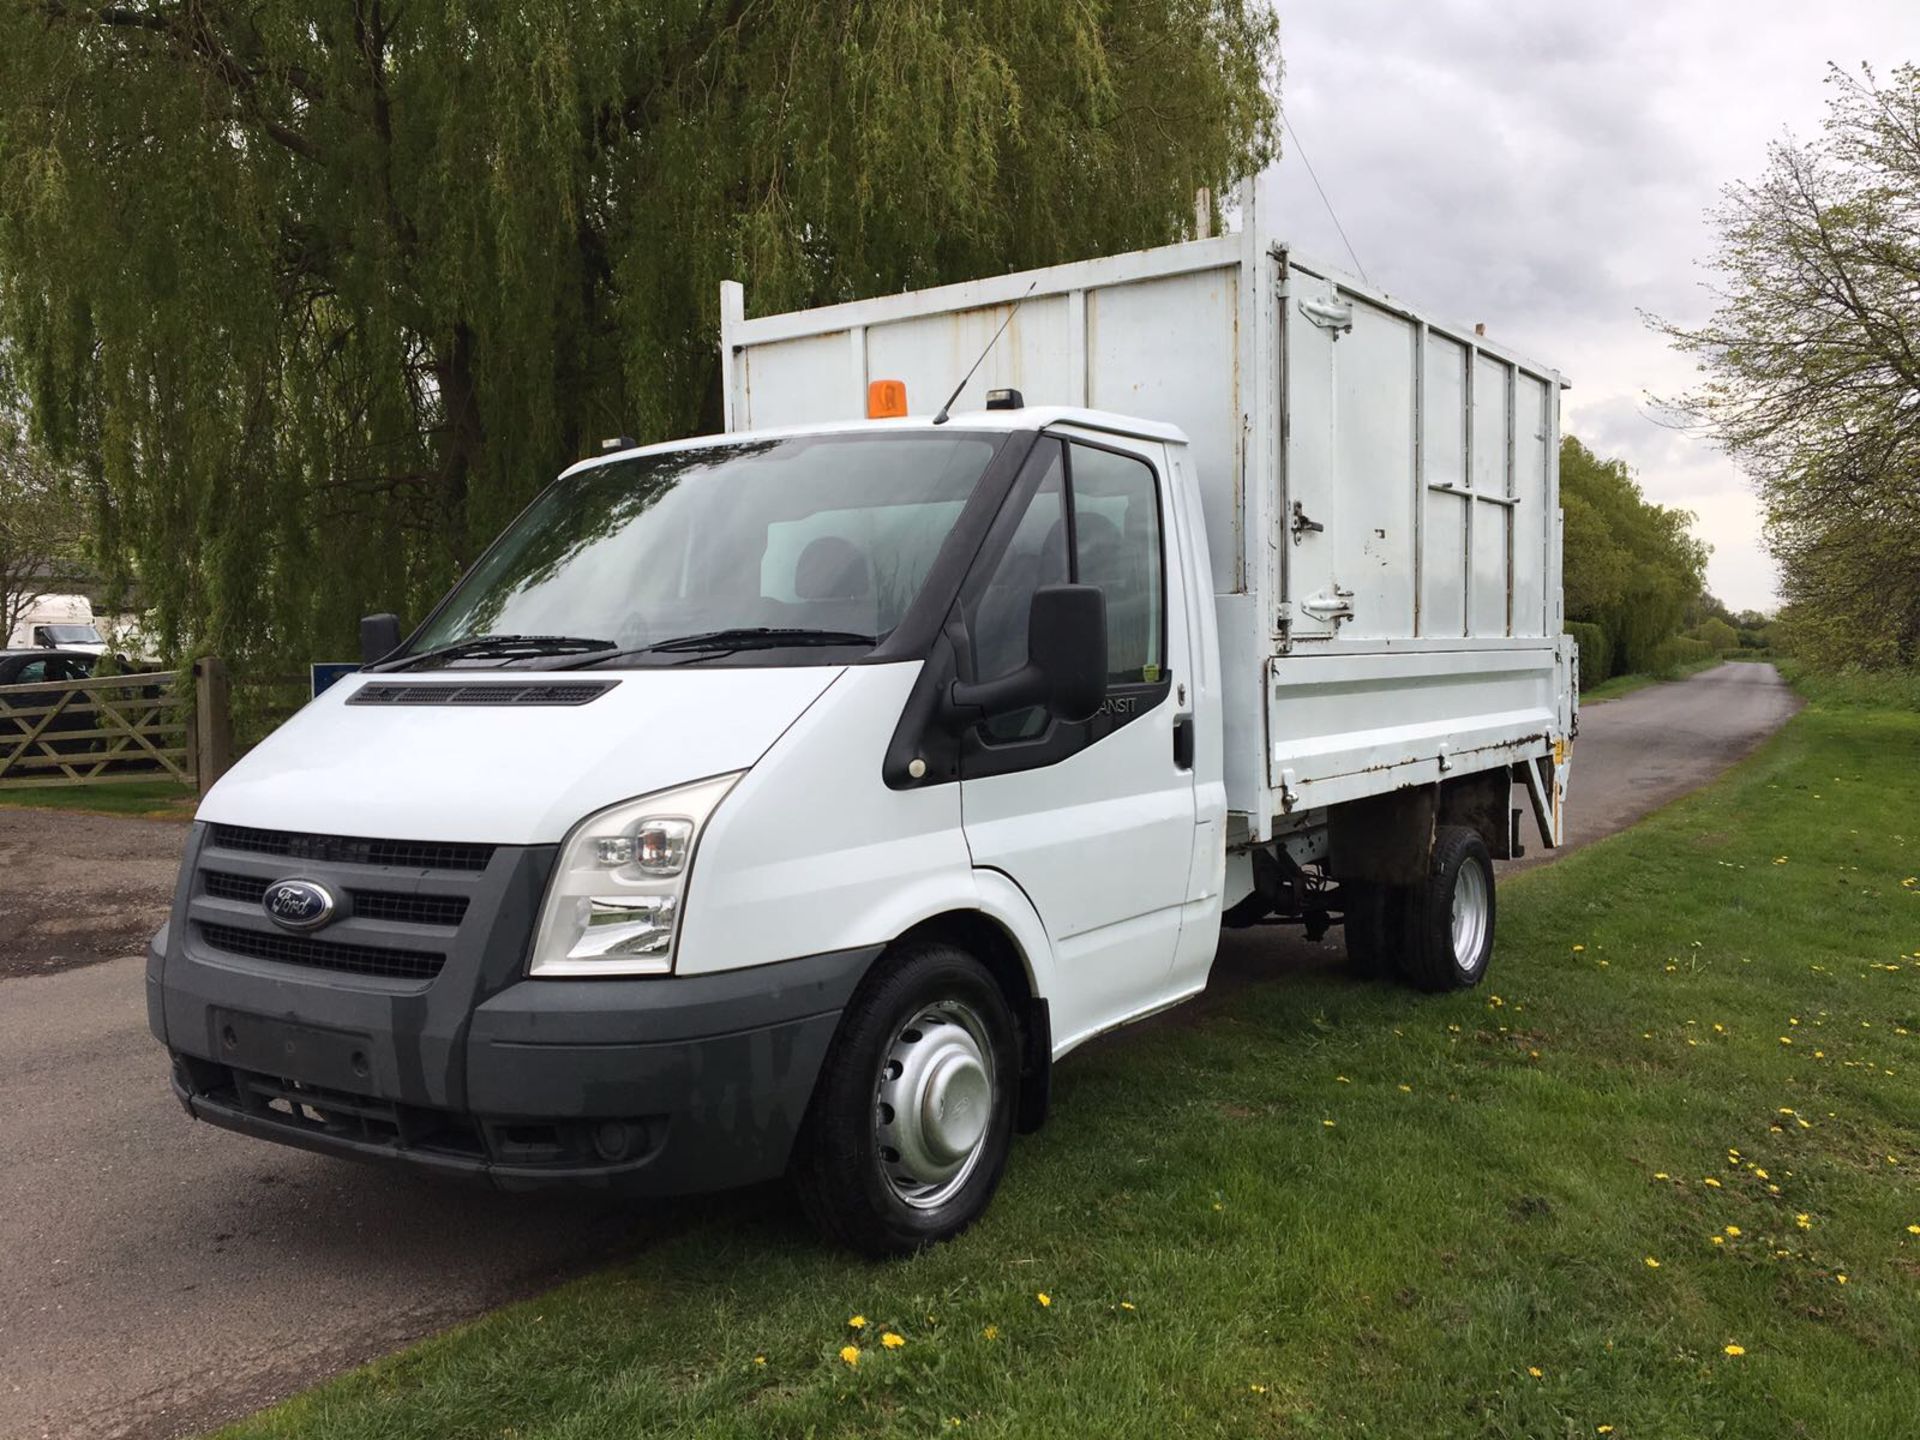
x=325 y=672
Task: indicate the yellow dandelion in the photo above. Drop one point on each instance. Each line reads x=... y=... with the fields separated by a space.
x=850 y=1354
x=1406 y=1089
x=1044 y=1298
x=992 y=1332
x=892 y=1341
x=1710 y=1181
x=1603 y=1429
x=1578 y=949
x=1736 y=1349
x=1652 y=1264
x=1786 y=1040
x=1661 y=1175
x=759 y=1359
x=1258 y=1389
x=1913 y=1229
x=1535 y=1371
x=1805 y=1222
x=1734 y=1231
x=1327 y=1123
x=1841 y=1278
x=1343 y=1079
x=1716 y=1239
x=1761 y=1173
x=858 y=1322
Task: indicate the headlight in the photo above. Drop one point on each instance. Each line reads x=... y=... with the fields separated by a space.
x=613 y=907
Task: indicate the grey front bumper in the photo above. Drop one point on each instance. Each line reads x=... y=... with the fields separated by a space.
x=654 y=1086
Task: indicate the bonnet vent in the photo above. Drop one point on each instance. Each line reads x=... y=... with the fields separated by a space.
x=569 y=692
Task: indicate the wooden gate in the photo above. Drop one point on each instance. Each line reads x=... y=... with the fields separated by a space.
x=98 y=731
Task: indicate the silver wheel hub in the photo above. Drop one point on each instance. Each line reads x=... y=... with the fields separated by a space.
x=934 y=1103
x=1471 y=897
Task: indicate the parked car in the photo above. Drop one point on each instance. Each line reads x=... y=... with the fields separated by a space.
x=791 y=800
x=79 y=715
x=35 y=667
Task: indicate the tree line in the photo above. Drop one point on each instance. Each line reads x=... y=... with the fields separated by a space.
x=316 y=297
x=1633 y=574
x=1811 y=363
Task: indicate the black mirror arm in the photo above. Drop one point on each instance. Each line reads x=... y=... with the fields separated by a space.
x=982 y=700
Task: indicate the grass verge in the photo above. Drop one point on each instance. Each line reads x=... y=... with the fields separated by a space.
x=146 y=799
x=1659 y=1177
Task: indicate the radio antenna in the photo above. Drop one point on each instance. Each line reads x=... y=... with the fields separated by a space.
x=941 y=418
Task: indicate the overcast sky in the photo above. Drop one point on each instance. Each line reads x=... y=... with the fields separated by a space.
x=1545 y=169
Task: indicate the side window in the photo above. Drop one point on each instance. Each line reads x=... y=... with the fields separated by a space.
x=31 y=673
x=1036 y=557
x=1117 y=525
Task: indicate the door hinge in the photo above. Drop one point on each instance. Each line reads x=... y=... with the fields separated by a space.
x=1334 y=316
x=1336 y=605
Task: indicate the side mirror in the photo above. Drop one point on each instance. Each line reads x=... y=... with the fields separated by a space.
x=379 y=637
x=1066 y=668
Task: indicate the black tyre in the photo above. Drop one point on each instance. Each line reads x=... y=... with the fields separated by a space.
x=912 y=1117
x=1450 y=929
x=1375 y=925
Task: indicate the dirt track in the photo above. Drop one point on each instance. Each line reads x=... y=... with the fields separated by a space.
x=162 y=1277
x=75 y=889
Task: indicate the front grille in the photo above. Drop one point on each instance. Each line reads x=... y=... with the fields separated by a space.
x=344 y=850
x=442 y=910
x=445 y=910
x=324 y=954
x=566 y=692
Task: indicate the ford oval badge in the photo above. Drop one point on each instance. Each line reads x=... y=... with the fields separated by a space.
x=298 y=904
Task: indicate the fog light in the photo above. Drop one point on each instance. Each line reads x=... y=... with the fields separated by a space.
x=612 y=1140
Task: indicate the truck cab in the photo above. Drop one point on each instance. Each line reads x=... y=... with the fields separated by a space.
x=784 y=800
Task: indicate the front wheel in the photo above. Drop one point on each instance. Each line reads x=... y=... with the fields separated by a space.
x=1451 y=939
x=912 y=1118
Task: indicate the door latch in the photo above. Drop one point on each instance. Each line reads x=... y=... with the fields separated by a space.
x=1302 y=523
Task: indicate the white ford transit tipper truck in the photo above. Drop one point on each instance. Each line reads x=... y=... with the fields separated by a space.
x=789 y=801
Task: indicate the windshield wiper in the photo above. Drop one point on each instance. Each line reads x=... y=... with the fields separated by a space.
x=477 y=647
x=752 y=637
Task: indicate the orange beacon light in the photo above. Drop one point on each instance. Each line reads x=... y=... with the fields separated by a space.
x=886 y=399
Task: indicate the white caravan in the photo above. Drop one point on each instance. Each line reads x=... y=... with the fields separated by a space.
x=791 y=800
x=57 y=622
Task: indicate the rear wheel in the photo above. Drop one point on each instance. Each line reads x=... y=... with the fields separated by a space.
x=1450 y=930
x=912 y=1118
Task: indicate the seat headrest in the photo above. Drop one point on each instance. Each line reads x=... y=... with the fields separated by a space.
x=832 y=568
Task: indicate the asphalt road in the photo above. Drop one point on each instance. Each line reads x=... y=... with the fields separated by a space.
x=161 y=1277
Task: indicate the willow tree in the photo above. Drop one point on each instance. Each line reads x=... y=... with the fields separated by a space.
x=325 y=292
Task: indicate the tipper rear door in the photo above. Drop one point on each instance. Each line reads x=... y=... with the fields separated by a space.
x=1417 y=481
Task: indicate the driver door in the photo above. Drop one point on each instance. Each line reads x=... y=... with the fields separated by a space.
x=1094 y=821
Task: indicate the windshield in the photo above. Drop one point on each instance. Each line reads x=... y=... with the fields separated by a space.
x=819 y=536
x=72 y=634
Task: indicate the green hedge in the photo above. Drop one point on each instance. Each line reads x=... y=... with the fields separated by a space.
x=1671 y=656
x=1596 y=652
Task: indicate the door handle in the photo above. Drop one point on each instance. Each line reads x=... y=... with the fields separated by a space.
x=1183 y=742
